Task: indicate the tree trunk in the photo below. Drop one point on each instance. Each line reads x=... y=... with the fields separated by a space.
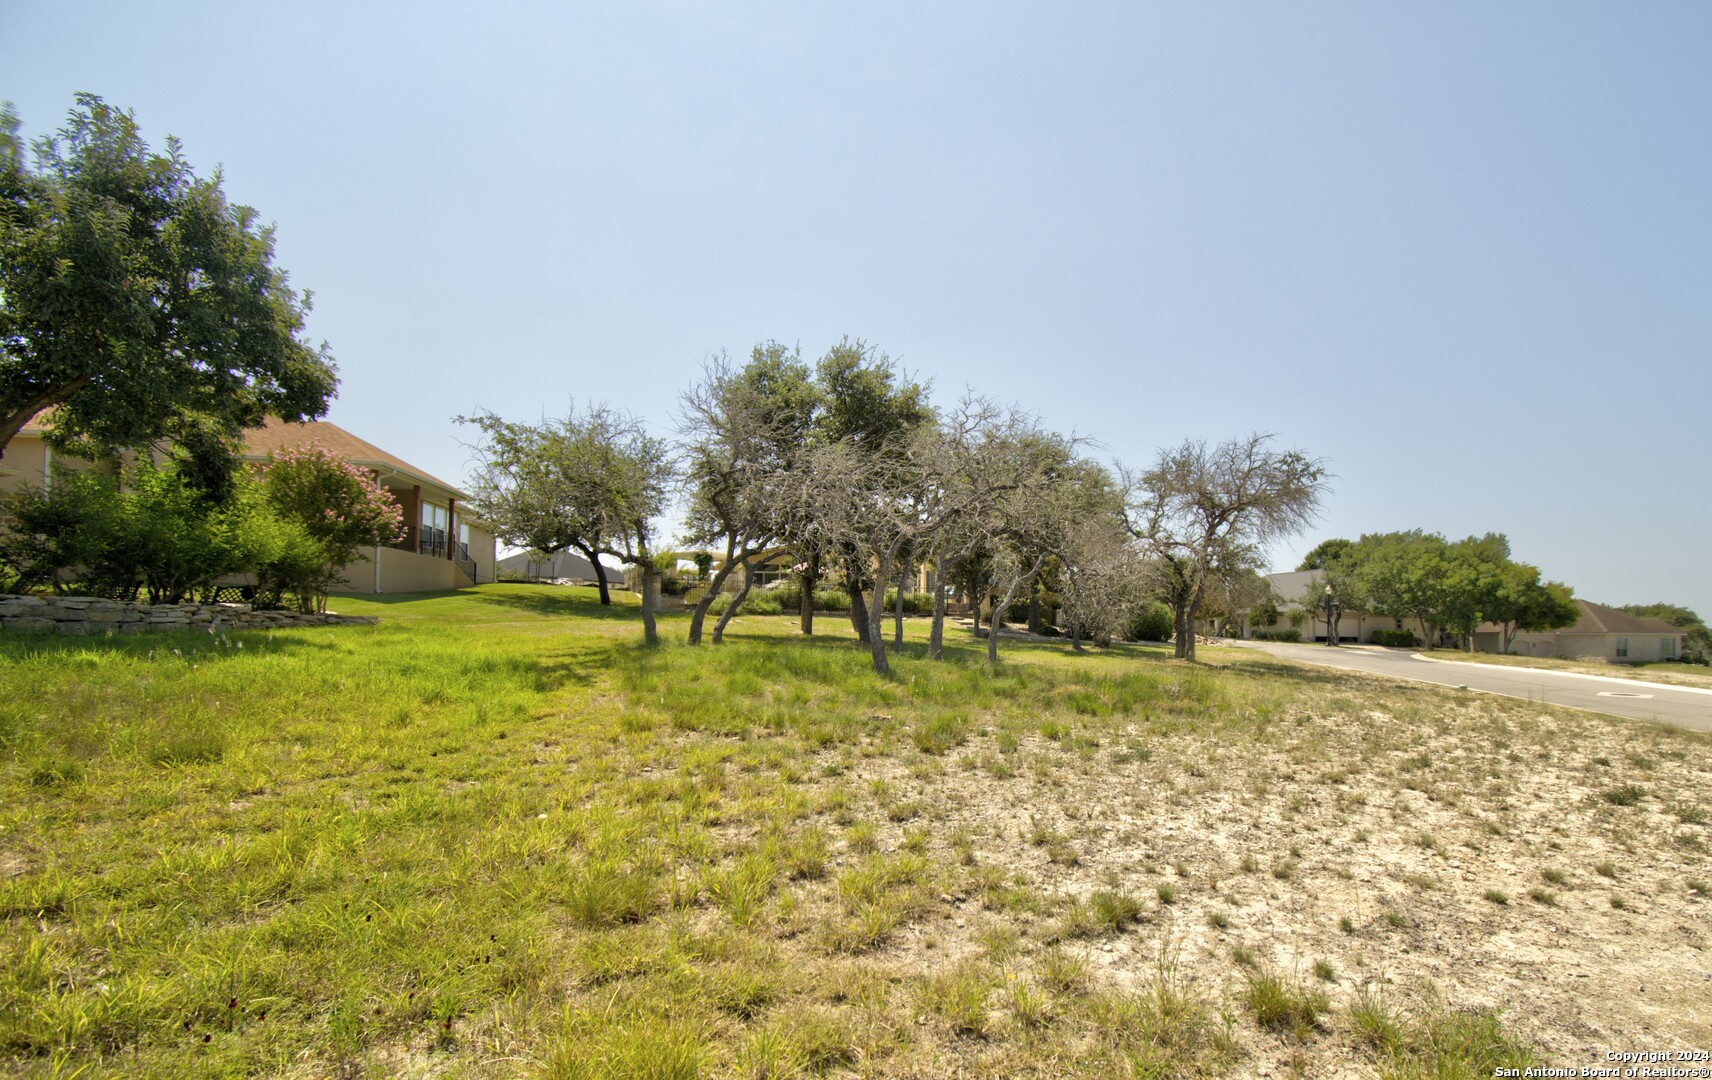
x=898 y=613
x=1034 y=611
x=699 y=615
x=809 y=581
x=875 y=634
x=1182 y=636
x=20 y=413
x=735 y=602
x=1076 y=635
x=993 y=624
x=858 y=609
x=599 y=572
x=936 y=637
x=650 y=597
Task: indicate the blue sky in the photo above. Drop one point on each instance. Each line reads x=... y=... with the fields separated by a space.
x=1464 y=251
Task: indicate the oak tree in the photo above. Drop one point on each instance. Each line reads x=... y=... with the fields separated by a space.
x=136 y=301
x=1200 y=506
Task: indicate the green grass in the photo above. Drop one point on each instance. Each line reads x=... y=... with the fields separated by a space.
x=495 y=836
x=1435 y=1040
x=1285 y=1006
x=1624 y=795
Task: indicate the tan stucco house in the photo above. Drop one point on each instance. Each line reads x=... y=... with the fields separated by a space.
x=1300 y=597
x=443 y=547
x=1601 y=633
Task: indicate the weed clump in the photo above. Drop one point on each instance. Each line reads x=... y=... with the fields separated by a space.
x=1436 y=1041
x=1624 y=794
x=1284 y=1006
x=1107 y=911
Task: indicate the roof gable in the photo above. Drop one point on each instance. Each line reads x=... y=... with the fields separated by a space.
x=275 y=435
x=1599 y=619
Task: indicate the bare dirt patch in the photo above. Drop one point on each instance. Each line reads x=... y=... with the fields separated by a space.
x=1548 y=864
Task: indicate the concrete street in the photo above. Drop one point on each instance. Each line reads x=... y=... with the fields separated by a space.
x=1678 y=706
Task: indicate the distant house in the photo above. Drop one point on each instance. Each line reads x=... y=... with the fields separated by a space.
x=561 y=566
x=1301 y=601
x=443 y=547
x=1601 y=633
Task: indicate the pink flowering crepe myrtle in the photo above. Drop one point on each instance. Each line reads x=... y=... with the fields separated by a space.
x=337 y=500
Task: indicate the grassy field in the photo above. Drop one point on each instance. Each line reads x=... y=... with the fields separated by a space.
x=494 y=836
x=1668 y=673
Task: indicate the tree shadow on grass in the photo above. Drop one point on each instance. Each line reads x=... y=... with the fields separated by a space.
x=566 y=601
x=580 y=665
x=962 y=649
x=199 y=645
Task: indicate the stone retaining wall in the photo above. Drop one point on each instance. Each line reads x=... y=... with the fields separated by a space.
x=92 y=615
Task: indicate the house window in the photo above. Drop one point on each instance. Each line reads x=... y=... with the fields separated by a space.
x=434 y=523
x=1667 y=648
x=1622 y=648
x=464 y=542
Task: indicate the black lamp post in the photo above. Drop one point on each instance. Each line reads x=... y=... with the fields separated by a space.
x=1331 y=625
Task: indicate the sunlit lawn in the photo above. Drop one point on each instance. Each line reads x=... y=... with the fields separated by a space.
x=495 y=836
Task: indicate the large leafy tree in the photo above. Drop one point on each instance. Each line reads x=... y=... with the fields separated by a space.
x=1201 y=507
x=1520 y=601
x=869 y=412
x=595 y=481
x=532 y=484
x=138 y=302
x=1325 y=552
x=624 y=478
x=1403 y=574
x=744 y=430
x=1453 y=586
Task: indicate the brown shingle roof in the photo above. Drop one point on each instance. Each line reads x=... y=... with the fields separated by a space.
x=1599 y=619
x=275 y=435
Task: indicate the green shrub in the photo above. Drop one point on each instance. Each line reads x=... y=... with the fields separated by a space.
x=915 y=603
x=756 y=603
x=159 y=531
x=1278 y=635
x=789 y=597
x=1397 y=639
x=1152 y=623
x=46 y=534
x=326 y=502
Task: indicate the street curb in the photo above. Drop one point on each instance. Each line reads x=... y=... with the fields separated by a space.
x=1570 y=674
